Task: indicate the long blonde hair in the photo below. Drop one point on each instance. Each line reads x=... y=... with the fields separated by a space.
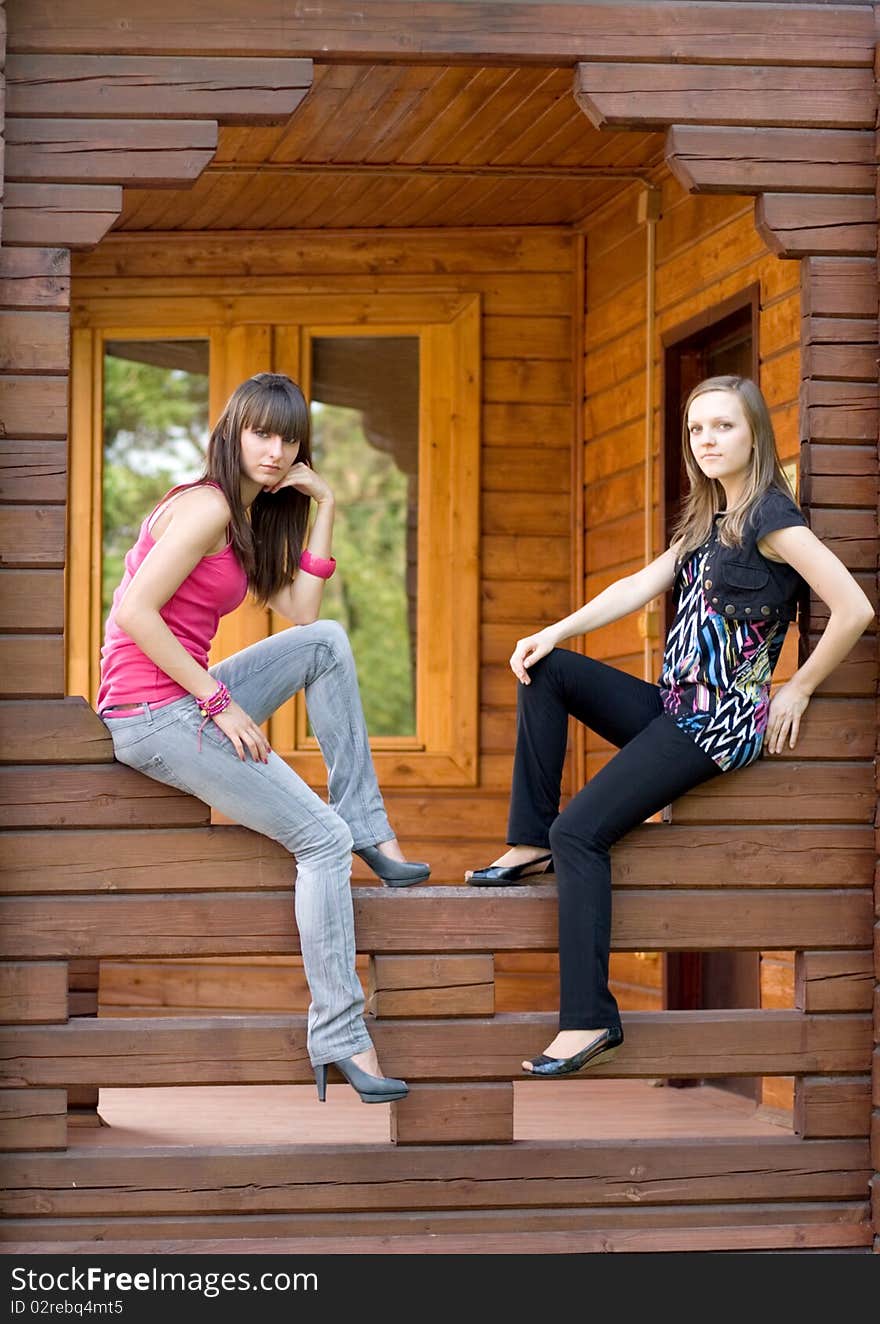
x=706 y=496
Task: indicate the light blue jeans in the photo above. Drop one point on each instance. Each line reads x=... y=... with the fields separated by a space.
x=271 y=798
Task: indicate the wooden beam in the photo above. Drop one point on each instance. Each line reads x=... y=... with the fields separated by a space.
x=440 y=31
x=834 y=981
x=840 y=287
x=61 y=731
x=34 y=342
x=271 y=1049
x=33 y=991
x=841 y=411
x=817 y=224
x=433 y=986
x=32 y=471
x=32 y=407
x=154 y=153
x=187 y=859
x=832 y=1106
x=32 y=600
x=30 y=536
x=32 y=667
x=34 y=277
x=231 y=91
x=712 y=159
x=471 y=920
x=92 y=795
x=454 y=1114
x=646 y=96
x=33 y=1119
x=72 y=215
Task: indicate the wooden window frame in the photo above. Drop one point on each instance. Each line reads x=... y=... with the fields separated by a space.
x=444 y=751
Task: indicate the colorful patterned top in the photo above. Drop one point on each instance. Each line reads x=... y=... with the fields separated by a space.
x=715 y=682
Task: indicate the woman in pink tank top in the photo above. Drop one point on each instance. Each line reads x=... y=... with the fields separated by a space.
x=245 y=525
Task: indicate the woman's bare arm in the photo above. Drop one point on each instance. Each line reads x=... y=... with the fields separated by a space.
x=617 y=600
x=851 y=614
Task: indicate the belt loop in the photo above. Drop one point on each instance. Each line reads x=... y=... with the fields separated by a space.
x=148 y=712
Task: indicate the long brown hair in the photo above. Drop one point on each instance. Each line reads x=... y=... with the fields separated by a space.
x=706 y=496
x=268 y=538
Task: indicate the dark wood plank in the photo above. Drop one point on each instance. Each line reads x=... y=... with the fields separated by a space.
x=844 y=490
x=30 y=536
x=842 y=361
x=823 y=792
x=33 y=1119
x=841 y=411
x=834 y=981
x=791 y=1225
x=34 y=277
x=33 y=991
x=31 y=407
x=241 y=923
x=75 y=215
x=438 y=31
x=839 y=460
x=31 y=667
x=91 y=795
x=33 y=471
x=749 y=160
x=153 y=860
x=271 y=1049
x=808 y=224
x=96 y=151
x=643 y=95
x=832 y=1106
x=230 y=858
x=232 y=91
x=839 y=287
x=32 y=600
x=454 y=1114
x=62 y=731
x=34 y=341
x=432 y=986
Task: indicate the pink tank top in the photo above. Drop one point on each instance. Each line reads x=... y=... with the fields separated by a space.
x=216 y=586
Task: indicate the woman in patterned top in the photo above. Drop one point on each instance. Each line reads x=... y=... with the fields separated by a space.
x=740 y=557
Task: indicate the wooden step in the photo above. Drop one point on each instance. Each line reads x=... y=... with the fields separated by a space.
x=267 y=1050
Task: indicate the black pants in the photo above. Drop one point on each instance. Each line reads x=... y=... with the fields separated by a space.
x=657 y=763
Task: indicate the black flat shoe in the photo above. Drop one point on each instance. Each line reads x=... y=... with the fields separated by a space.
x=504 y=875
x=603 y=1048
x=394 y=873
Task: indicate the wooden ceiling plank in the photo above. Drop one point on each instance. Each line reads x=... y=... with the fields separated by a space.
x=638 y=95
x=330 y=86
x=397 y=29
x=484 y=112
x=541 y=114
x=396 y=103
x=240 y=91
x=334 y=134
x=507 y=117
x=431 y=143
x=444 y=86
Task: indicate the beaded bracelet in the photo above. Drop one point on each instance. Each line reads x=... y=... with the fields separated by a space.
x=320 y=566
x=215 y=704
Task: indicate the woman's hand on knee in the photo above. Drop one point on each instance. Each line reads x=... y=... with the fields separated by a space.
x=244 y=733
x=528 y=651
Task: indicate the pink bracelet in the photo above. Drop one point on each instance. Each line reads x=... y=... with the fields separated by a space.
x=211 y=707
x=321 y=566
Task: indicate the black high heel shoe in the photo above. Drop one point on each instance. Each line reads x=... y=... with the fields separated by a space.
x=394 y=873
x=504 y=875
x=372 y=1089
x=605 y=1047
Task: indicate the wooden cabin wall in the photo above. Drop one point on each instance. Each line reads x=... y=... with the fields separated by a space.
x=526 y=282
x=707 y=250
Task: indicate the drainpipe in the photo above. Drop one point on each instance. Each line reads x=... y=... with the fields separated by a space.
x=649 y=215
